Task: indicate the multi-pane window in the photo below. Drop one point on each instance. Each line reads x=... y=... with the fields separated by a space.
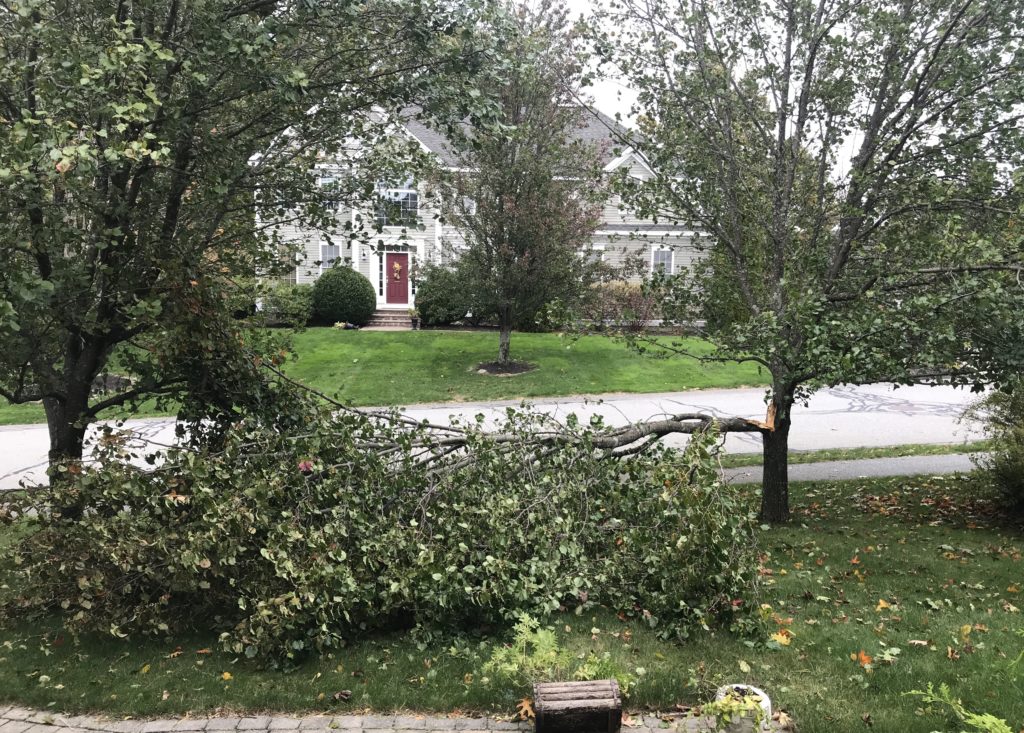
x=329 y=254
x=397 y=205
x=662 y=260
x=330 y=183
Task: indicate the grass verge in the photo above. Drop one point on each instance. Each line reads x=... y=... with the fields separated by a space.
x=738 y=460
x=915 y=574
x=409 y=367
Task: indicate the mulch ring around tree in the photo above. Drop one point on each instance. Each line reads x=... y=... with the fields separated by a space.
x=509 y=369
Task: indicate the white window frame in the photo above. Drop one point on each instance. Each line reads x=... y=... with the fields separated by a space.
x=325 y=263
x=670 y=270
x=324 y=181
x=399 y=194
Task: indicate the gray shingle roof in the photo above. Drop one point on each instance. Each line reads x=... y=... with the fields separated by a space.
x=434 y=141
x=596 y=127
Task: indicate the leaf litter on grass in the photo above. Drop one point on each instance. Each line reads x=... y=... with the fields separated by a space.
x=934 y=597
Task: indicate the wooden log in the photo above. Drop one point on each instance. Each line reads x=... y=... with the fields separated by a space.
x=577 y=707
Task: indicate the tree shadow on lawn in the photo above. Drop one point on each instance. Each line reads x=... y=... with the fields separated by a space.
x=510 y=369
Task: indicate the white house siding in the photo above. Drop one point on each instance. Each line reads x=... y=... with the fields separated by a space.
x=624 y=235
x=301 y=241
x=638 y=169
x=621 y=235
x=308 y=266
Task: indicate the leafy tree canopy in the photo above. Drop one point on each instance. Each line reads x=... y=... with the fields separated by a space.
x=528 y=199
x=850 y=165
x=151 y=151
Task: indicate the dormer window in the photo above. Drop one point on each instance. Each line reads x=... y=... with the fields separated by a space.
x=397 y=205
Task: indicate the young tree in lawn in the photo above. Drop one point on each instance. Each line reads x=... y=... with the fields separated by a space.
x=527 y=198
x=149 y=152
x=848 y=162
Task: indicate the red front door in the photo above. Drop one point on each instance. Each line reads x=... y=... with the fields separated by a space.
x=396 y=270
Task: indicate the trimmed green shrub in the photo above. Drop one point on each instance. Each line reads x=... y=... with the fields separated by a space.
x=288 y=305
x=291 y=541
x=440 y=298
x=343 y=295
x=621 y=306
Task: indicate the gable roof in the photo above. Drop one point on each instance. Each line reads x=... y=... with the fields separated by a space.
x=596 y=128
x=433 y=141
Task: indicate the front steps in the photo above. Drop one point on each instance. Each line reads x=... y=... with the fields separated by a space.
x=391 y=320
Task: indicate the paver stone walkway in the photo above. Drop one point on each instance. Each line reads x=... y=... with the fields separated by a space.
x=23 y=720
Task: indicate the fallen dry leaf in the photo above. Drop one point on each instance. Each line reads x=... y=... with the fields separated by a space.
x=862 y=658
x=784 y=720
x=525 y=709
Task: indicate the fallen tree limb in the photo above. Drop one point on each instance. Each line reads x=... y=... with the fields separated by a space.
x=446 y=448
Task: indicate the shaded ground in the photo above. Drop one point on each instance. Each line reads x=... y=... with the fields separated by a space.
x=512 y=368
x=877 y=587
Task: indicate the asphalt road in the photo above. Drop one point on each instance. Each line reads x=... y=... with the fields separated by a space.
x=842 y=417
x=862 y=468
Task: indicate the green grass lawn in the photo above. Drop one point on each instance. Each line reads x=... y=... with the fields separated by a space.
x=917 y=565
x=398 y=368
x=407 y=367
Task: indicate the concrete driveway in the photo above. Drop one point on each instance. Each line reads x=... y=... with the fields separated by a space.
x=842 y=417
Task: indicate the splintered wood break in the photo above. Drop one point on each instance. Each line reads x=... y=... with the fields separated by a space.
x=769 y=420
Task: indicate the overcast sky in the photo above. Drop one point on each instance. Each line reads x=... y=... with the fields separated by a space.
x=610 y=96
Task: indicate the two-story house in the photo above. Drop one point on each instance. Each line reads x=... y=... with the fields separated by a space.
x=409 y=230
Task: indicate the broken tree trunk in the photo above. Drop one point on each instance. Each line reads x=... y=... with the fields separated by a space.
x=578 y=707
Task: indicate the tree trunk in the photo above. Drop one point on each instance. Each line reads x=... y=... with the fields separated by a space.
x=67 y=433
x=66 y=417
x=504 y=339
x=775 y=471
x=67 y=427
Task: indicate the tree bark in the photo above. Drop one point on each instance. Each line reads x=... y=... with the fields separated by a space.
x=504 y=340
x=67 y=431
x=67 y=424
x=775 y=471
x=67 y=441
